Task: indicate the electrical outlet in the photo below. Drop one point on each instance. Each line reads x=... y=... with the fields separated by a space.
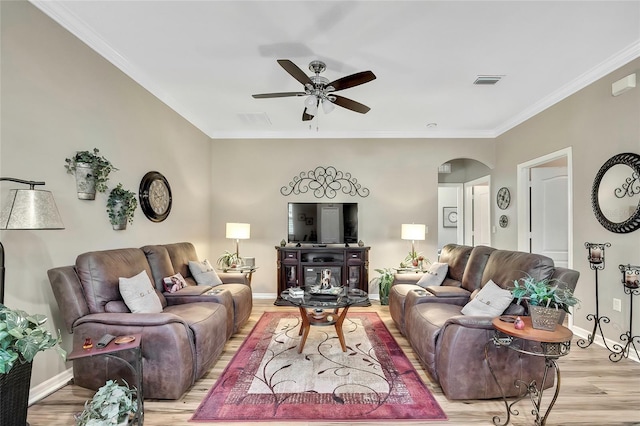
x=617 y=305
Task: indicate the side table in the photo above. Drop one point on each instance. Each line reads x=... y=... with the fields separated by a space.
x=112 y=350
x=246 y=270
x=530 y=341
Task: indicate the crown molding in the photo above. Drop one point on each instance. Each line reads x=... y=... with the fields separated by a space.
x=320 y=134
x=611 y=64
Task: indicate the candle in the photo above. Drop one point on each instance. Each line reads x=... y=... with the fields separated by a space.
x=631 y=279
x=596 y=255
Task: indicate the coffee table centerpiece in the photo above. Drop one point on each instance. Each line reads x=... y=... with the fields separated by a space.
x=323 y=307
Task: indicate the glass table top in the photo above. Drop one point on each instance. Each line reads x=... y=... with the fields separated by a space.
x=337 y=297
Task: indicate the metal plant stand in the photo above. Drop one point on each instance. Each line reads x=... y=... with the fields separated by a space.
x=630 y=275
x=596 y=263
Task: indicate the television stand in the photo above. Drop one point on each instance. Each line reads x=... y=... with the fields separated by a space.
x=299 y=266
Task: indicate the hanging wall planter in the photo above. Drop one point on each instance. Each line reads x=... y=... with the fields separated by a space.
x=121 y=206
x=92 y=172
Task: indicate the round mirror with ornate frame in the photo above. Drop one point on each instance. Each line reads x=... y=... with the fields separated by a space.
x=615 y=195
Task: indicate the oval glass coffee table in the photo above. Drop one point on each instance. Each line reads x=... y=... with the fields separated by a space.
x=319 y=309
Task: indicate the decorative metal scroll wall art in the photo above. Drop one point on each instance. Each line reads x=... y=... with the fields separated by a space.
x=630 y=280
x=615 y=197
x=596 y=262
x=325 y=182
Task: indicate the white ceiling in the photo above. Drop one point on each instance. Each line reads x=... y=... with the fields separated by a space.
x=206 y=58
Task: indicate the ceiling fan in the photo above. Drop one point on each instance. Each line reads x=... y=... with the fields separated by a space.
x=320 y=91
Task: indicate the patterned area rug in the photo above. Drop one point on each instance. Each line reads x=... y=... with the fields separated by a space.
x=268 y=379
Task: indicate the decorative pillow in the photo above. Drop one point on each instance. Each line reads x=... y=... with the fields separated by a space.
x=174 y=283
x=490 y=301
x=139 y=294
x=203 y=273
x=435 y=275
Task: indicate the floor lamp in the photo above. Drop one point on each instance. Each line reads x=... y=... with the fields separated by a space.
x=27 y=209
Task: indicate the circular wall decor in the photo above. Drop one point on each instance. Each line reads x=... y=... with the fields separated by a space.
x=155 y=196
x=616 y=188
x=504 y=221
x=503 y=199
x=453 y=217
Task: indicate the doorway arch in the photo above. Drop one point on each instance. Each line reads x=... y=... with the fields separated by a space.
x=455 y=177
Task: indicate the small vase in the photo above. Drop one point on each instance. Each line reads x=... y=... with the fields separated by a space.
x=122 y=224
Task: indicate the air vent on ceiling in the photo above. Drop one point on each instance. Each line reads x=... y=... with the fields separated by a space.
x=487 y=80
x=254 y=118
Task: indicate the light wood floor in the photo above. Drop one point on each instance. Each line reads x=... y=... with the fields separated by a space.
x=594 y=391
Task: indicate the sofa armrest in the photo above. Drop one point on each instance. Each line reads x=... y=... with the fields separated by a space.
x=131 y=319
x=234 y=278
x=471 y=321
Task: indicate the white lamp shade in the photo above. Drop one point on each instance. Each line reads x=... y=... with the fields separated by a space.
x=327 y=106
x=30 y=209
x=238 y=231
x=413 y=231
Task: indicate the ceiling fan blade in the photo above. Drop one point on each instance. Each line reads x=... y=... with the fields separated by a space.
x=295 y=72
x=305 y=116
x=350 y=104
x=278 y=95
x=352 y=80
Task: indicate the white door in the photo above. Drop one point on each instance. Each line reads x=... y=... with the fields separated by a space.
x=481 y=219
x=549 y=213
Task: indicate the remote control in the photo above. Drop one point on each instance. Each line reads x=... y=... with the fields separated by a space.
x=104 y=340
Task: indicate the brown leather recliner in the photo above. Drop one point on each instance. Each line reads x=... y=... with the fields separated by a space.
x=179 y=345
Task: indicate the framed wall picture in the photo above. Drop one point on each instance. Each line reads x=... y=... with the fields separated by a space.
x=449 y=217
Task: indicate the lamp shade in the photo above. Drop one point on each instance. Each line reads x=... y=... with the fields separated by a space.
x=30 y=209
x=238 y=231
x=412 y=231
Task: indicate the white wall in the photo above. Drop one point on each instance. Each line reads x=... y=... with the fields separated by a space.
x=58 y=96
x=447 y=197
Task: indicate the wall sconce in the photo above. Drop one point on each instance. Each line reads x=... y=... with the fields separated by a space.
x=413 y=232
x=238 y=231
x=595 y=257
x=27 y=209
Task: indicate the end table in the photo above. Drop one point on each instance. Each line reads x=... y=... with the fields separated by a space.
x=548 y=344
x=112 y=350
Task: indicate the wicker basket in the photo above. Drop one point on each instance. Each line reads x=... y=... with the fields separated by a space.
x=14 y=395
x=543 y=318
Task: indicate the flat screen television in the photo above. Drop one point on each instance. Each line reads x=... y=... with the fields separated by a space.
x=323 y=223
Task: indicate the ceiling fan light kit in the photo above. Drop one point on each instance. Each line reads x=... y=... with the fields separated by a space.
x=319 y=90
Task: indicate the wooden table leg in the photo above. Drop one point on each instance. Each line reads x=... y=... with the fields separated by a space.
x=304 y=328
x=338 y=326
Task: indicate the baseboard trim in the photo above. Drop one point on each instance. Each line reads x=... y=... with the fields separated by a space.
x=49 y=386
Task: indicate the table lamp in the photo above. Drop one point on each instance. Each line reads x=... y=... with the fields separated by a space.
x=238 y=231
x=413 y=232
x=27 y=209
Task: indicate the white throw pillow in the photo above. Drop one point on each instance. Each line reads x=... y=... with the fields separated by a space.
x=203 y=273
x=139 y=295
x=435 y=275
x=491 y=301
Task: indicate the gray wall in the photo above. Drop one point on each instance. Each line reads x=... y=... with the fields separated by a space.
x=58 y=96
x=597 y=126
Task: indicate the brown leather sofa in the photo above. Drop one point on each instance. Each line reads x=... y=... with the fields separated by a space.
x=179 y=344
x=451 y=345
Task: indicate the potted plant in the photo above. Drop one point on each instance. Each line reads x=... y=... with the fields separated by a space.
x=92 y=172
x=547 y=299
x=228 y=260
x=112 y=404
x=384 y=282
x=22 y=336
x=121 y=206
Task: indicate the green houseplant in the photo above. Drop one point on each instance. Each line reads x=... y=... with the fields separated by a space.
x=384 y=282
x=22 y=336
x=121 y=206
x=112 y=404
x=547 y=299
x=228 y=260
x=92 y=172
